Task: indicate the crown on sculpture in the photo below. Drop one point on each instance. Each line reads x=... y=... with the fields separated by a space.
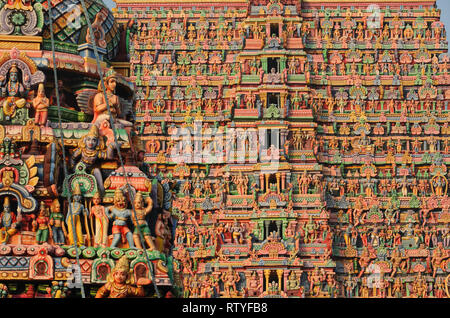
x=93 y=131
x=76 y=189
x=122 y=265
x=138 y=196
x=118 y=194
x=13 y=68
x=110 y=73
x=97 y=195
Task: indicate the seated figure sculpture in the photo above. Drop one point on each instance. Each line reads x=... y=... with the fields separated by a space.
x=91 y=148
x=14 y=91
x=8 y=222
x=100 y=103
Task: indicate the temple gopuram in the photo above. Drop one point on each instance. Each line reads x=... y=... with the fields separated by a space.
x=212 y=149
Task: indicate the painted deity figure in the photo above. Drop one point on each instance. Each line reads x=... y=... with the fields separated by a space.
x=41 y=224
x=293 y=283
x=398 y=261
x=101 y=221
x=315 y=281
x=230 y=278
x=73 y=219
x=57 y=223
x=163 y=233
x=91 y=148
x=14 y=91
x=141 y=213
x=254 y=285
x=100 y=104
x=40 y=104
x=310 y=230
x=237 y=232
x=120 y=282
x=120 y=214
x=8 y=222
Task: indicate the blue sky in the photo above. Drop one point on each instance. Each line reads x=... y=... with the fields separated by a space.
x=444 y=5
x=111 y=3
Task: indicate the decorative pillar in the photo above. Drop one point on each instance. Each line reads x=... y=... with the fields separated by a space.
x=247 y=275
x=280 y=275
x=266 y=226
x=264 y=63
x=261 y=182
x=284 y=225
x=261 y=279
x=283 y=134
x=278 y=182
x=282 y=100
x=263 y=96
x=278 y=223
x=283 y=181
x=267 y=274
x=261 y=232
x=267 y=182
x=285 y=278
x=282 y=63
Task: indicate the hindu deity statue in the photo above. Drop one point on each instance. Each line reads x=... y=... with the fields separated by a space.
x=100 y=104
x=41 y=223
x=254 y=285
x=98 y=212
x=141 y=213
x=40 y=104
x=120 y=214
x=237 y=232
x=293 y=283
x=120 y=282
x=14 y=91
x=8 y=222
x=57 y=223
x=230 y=278
x=163 y=233
x=73 y=219
x=91 y=149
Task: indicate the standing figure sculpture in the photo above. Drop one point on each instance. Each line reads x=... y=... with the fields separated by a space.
x=120 y=214
x=141 y=213
x=98 y=212
x=42 y=223
x=40 y=104
x=57 y=223
x=73 y=219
